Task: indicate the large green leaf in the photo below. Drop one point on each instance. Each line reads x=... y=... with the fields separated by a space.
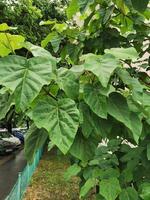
x=96 y=100
x=128 y=194
x=89 y=184
x=140 y=5
x=25 y=77
x=118 y=108
x=68 y=82
x=110 y=188
x=60 y=118
x=35 y=139
x=9 y=43
x=102 y=66
x=81 y=146
x=123 y=53
x=73 y=170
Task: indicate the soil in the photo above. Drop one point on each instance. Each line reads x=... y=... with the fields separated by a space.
x=48 y=181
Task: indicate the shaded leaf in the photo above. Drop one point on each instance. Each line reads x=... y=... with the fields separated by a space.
x=148 y=151
x=145 y=191
x=92 y=124
x=96 y=100
x=81 y=146
x=68 y=82
x=118 y=108
x=140 y=5
x=128 y=194
x=6 y=101
x=34 y=140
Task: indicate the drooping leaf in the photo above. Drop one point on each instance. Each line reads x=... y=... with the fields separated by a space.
x=140 y=5
x=102 y=66
x=118 y=108
x=92 y=124
x=87 y=121
x=123 y=53
x=133 y=84
x=25 y=77
x=9 y=43
x=40 y=52
x=89 y=184
x=68 y=82
x=60 y=118
x=54 y=39
x=34 y=140
x=128 y=194
x=73 y=170
x=96 y=100
x=6 y=101
x=110 y=188
x=81 y=146
x=72 y=9
x=73 y=51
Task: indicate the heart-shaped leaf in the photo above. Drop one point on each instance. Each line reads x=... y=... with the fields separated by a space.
x=25 y=77
x=60 y=118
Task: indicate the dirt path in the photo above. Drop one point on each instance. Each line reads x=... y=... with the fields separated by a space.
x=48 y=182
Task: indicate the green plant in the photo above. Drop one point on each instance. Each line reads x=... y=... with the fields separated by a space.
x=26 y=15
x=91 y=98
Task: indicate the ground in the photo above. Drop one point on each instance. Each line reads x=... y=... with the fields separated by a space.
x=48 y=181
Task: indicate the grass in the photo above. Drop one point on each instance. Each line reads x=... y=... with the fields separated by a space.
x=48 y=182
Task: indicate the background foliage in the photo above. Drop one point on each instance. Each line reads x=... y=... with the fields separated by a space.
x=27 y=14
x=88 y=91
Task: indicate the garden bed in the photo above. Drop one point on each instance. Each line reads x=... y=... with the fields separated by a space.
x=48 y=182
